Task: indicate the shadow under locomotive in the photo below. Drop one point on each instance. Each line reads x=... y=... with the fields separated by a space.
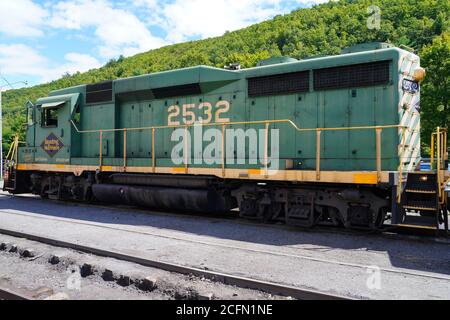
x=413 y=255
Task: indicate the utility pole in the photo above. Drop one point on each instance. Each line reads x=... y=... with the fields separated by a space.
x=8 y=84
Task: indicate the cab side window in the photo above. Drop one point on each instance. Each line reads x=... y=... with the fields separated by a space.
x=77 y=116
x=49 y=117
x=30 y=115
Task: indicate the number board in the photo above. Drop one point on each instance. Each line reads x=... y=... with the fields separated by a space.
x=410 y=86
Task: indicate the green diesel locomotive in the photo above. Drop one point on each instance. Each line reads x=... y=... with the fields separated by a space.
x=327 y=140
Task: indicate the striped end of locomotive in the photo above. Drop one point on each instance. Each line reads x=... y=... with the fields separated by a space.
x=409 y=112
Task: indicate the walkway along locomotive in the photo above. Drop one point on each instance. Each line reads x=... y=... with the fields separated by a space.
x=328 y=140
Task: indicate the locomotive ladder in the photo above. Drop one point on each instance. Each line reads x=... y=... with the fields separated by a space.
x=423 y=202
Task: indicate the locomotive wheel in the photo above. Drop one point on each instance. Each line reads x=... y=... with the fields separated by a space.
x=379 y=221
x=44 y=191
x=364 y=218
x=89 y=196
x=270 y=213
x=248 y=209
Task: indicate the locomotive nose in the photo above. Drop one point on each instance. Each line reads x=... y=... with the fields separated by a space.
x=419 y=74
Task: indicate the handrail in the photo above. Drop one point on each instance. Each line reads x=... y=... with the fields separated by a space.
x=12 y=156
x=439 y=148
x=400 y=167
x=13 y=148
x=216 y=124
x=266 y=123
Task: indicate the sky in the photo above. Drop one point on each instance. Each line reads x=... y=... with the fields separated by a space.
x=40 y=40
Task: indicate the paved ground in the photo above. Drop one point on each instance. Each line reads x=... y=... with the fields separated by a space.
x=336 y=263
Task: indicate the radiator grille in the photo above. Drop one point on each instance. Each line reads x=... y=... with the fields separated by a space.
x=357 y=75
x=135 y=95
x=177 y=91
x=99 y=92
x=278 y=84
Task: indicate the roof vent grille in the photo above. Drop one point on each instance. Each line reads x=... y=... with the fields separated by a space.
x=99 y=92
x=278 y=84
x=177 y=91
x=352 y=76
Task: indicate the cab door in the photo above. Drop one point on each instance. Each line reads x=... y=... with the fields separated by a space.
x=27 y=154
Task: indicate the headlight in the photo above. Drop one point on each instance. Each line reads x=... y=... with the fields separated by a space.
x=419 y=74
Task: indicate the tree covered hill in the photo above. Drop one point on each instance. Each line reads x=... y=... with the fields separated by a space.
x=323 y=29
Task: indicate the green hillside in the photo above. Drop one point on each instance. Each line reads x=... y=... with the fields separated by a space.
x=324 y=29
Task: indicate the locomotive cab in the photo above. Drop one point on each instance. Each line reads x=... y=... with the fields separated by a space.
x=49 y=131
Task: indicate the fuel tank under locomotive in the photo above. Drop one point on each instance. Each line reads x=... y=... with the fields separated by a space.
x=164 y=193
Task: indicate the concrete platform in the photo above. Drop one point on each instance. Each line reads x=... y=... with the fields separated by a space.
x=359 y=266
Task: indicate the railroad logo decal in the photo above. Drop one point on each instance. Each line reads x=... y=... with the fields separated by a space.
x=52 y=144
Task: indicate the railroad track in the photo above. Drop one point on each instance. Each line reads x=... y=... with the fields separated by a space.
x=224 y=278
x=390 y=232
x=8 y=294
x=215 y=244
x=243 y=282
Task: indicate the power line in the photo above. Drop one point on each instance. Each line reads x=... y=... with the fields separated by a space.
x=6 y=80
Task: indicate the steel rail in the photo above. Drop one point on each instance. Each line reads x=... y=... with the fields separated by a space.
x=243 y=282
x=8 y=294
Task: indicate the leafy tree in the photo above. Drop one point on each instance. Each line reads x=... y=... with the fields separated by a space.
x=436 y=87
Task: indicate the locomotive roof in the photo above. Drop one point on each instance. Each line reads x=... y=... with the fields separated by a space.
x=206 y=74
